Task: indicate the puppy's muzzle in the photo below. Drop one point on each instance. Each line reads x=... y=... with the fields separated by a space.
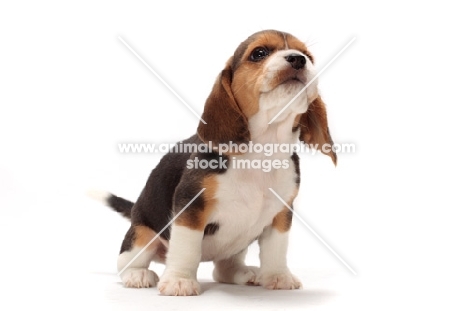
x=297 y=61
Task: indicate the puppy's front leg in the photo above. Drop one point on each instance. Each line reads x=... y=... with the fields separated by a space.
x=183 y=258
x=274 y=272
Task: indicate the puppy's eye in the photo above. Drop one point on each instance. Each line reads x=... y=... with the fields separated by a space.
x=259 y=53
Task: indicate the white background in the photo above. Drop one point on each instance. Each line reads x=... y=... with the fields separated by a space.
x=395 y=210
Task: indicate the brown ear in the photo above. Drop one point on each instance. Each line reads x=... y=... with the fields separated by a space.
x=314 y=128
x=225 y=121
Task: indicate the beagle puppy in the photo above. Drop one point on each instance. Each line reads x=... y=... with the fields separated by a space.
x=222 y=208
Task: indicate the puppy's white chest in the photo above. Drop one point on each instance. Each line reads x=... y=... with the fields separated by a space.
x=245 y=205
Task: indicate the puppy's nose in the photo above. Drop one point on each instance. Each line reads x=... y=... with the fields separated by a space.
x=297 y=61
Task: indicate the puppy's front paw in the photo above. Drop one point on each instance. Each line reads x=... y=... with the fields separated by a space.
x=178 y=286
x=284 y=280
x=139 y=278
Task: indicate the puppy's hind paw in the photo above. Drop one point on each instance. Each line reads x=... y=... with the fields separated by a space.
x=242 y=275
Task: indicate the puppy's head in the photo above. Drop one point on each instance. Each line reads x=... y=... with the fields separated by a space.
x=265 y=74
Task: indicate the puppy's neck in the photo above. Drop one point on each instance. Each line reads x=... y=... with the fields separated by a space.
x=280 y=132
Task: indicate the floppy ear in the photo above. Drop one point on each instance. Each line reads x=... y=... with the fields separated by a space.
x=314 y=128
x=224 y=119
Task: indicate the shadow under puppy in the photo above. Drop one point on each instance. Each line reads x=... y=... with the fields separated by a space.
x=236 y=206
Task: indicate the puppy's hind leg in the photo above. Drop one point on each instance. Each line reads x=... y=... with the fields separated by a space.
x=234 y=271
x=134 y=258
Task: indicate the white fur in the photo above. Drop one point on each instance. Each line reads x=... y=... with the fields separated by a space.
x=274 y=272
x=242 y=275
x=98 y=195
x=273 y=248
x=178 y=286
x=284 y=280
x=139 y=278
x=246 y=207
x=136 y=274
x=233 y=270
x=183 y=258
x=277 y=62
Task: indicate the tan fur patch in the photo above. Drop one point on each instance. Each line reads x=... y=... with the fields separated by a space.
x=282 y=221
x=211 y=184
x=245 y=88
x=143 y=236
x=197 y=217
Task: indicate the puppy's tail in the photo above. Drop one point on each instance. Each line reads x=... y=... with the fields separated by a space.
x=118 y=204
